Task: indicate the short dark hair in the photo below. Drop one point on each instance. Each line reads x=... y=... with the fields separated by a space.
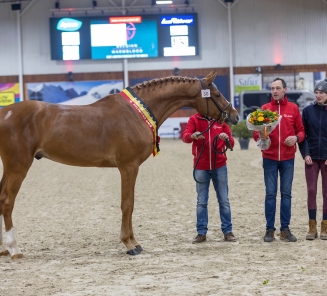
x=282 y=80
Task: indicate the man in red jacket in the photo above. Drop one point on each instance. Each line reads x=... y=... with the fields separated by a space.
x=280 y=158
x=209 y=165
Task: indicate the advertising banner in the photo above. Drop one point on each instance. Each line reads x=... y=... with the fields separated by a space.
x=9 y=94
x=73 y=93
x=244 y=82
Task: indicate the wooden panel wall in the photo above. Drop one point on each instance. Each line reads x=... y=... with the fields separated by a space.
x=8 y=79
x=159 y=74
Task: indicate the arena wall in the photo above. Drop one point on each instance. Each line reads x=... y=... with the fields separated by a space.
x=265 y=33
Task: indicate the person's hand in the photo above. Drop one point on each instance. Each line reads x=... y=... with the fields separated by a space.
x=223 y=136
x=197 y=136
x=308 y=160
x=290 y=141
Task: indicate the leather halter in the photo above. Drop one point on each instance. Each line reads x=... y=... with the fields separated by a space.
x=223 y=114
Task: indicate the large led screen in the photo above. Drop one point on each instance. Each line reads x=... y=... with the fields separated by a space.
x=117 y=37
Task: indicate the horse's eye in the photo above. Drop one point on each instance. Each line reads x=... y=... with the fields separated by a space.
x=218 y=95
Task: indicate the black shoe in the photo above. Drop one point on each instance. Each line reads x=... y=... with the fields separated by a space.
x=286 y=234
x=269 y=236
x=199 y=239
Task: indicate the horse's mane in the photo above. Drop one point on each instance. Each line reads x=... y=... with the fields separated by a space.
x=165 y=79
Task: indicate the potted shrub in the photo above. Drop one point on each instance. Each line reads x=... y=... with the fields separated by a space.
x=243 y=134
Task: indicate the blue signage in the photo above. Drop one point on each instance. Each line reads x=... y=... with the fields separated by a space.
x=177 y=20
x=69 y=25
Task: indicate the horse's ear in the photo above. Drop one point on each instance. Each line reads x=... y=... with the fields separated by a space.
x=209 y=78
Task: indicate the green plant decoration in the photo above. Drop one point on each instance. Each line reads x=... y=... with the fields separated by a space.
x=241 y=131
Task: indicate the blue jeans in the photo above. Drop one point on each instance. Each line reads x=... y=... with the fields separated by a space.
x=286 y=172
x=220 y=182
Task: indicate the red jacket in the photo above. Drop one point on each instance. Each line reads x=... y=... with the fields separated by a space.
x=199 y=123
x=290 y=125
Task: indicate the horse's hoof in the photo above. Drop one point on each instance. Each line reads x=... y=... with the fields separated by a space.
x=4 y=253
x=17 y=256
x=139 y=248
x=133 y=252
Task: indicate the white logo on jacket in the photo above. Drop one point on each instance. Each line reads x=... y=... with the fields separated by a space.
x=287 y=115
x=217 y=126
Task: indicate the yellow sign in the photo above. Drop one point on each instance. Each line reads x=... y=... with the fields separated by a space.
x=239 y=88
x=7 y=98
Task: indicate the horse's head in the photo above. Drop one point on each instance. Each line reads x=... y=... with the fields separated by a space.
x=211 y=102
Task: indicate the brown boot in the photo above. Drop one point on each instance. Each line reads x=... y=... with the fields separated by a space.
x=312 y=234
x=199 y=239
x=323 y=232
x=229 y=237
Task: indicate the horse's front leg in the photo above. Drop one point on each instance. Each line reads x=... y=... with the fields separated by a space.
x=8 y=195
x=3 y=250
x=128 y=178
x=13 y=176
x=13 y=248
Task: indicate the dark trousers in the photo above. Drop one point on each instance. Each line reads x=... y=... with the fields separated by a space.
x=311 y=175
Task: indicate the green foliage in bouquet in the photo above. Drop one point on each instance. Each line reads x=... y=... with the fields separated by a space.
x=240 y=130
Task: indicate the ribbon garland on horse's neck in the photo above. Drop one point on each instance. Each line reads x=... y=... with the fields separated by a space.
x=129 y=95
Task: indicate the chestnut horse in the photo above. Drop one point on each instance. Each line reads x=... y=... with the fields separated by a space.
x=112 y=132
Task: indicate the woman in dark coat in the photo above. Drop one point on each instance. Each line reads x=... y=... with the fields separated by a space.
x=314 y=153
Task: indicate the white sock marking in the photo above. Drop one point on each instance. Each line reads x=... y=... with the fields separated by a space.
x=12 y=244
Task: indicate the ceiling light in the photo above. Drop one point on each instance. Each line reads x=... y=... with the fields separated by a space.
x=164 y=2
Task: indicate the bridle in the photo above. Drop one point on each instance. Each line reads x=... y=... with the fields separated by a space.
x=223 y=114
x=223 y=111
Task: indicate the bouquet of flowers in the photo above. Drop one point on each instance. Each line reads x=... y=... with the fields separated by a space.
x=263 y=121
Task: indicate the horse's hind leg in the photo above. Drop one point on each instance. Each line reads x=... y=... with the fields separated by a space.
x=128 y=179
x=12 y=179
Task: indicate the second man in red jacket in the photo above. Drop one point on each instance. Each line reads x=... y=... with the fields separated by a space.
x=279 y=158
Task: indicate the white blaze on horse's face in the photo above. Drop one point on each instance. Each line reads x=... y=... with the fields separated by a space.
x=8 y=115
